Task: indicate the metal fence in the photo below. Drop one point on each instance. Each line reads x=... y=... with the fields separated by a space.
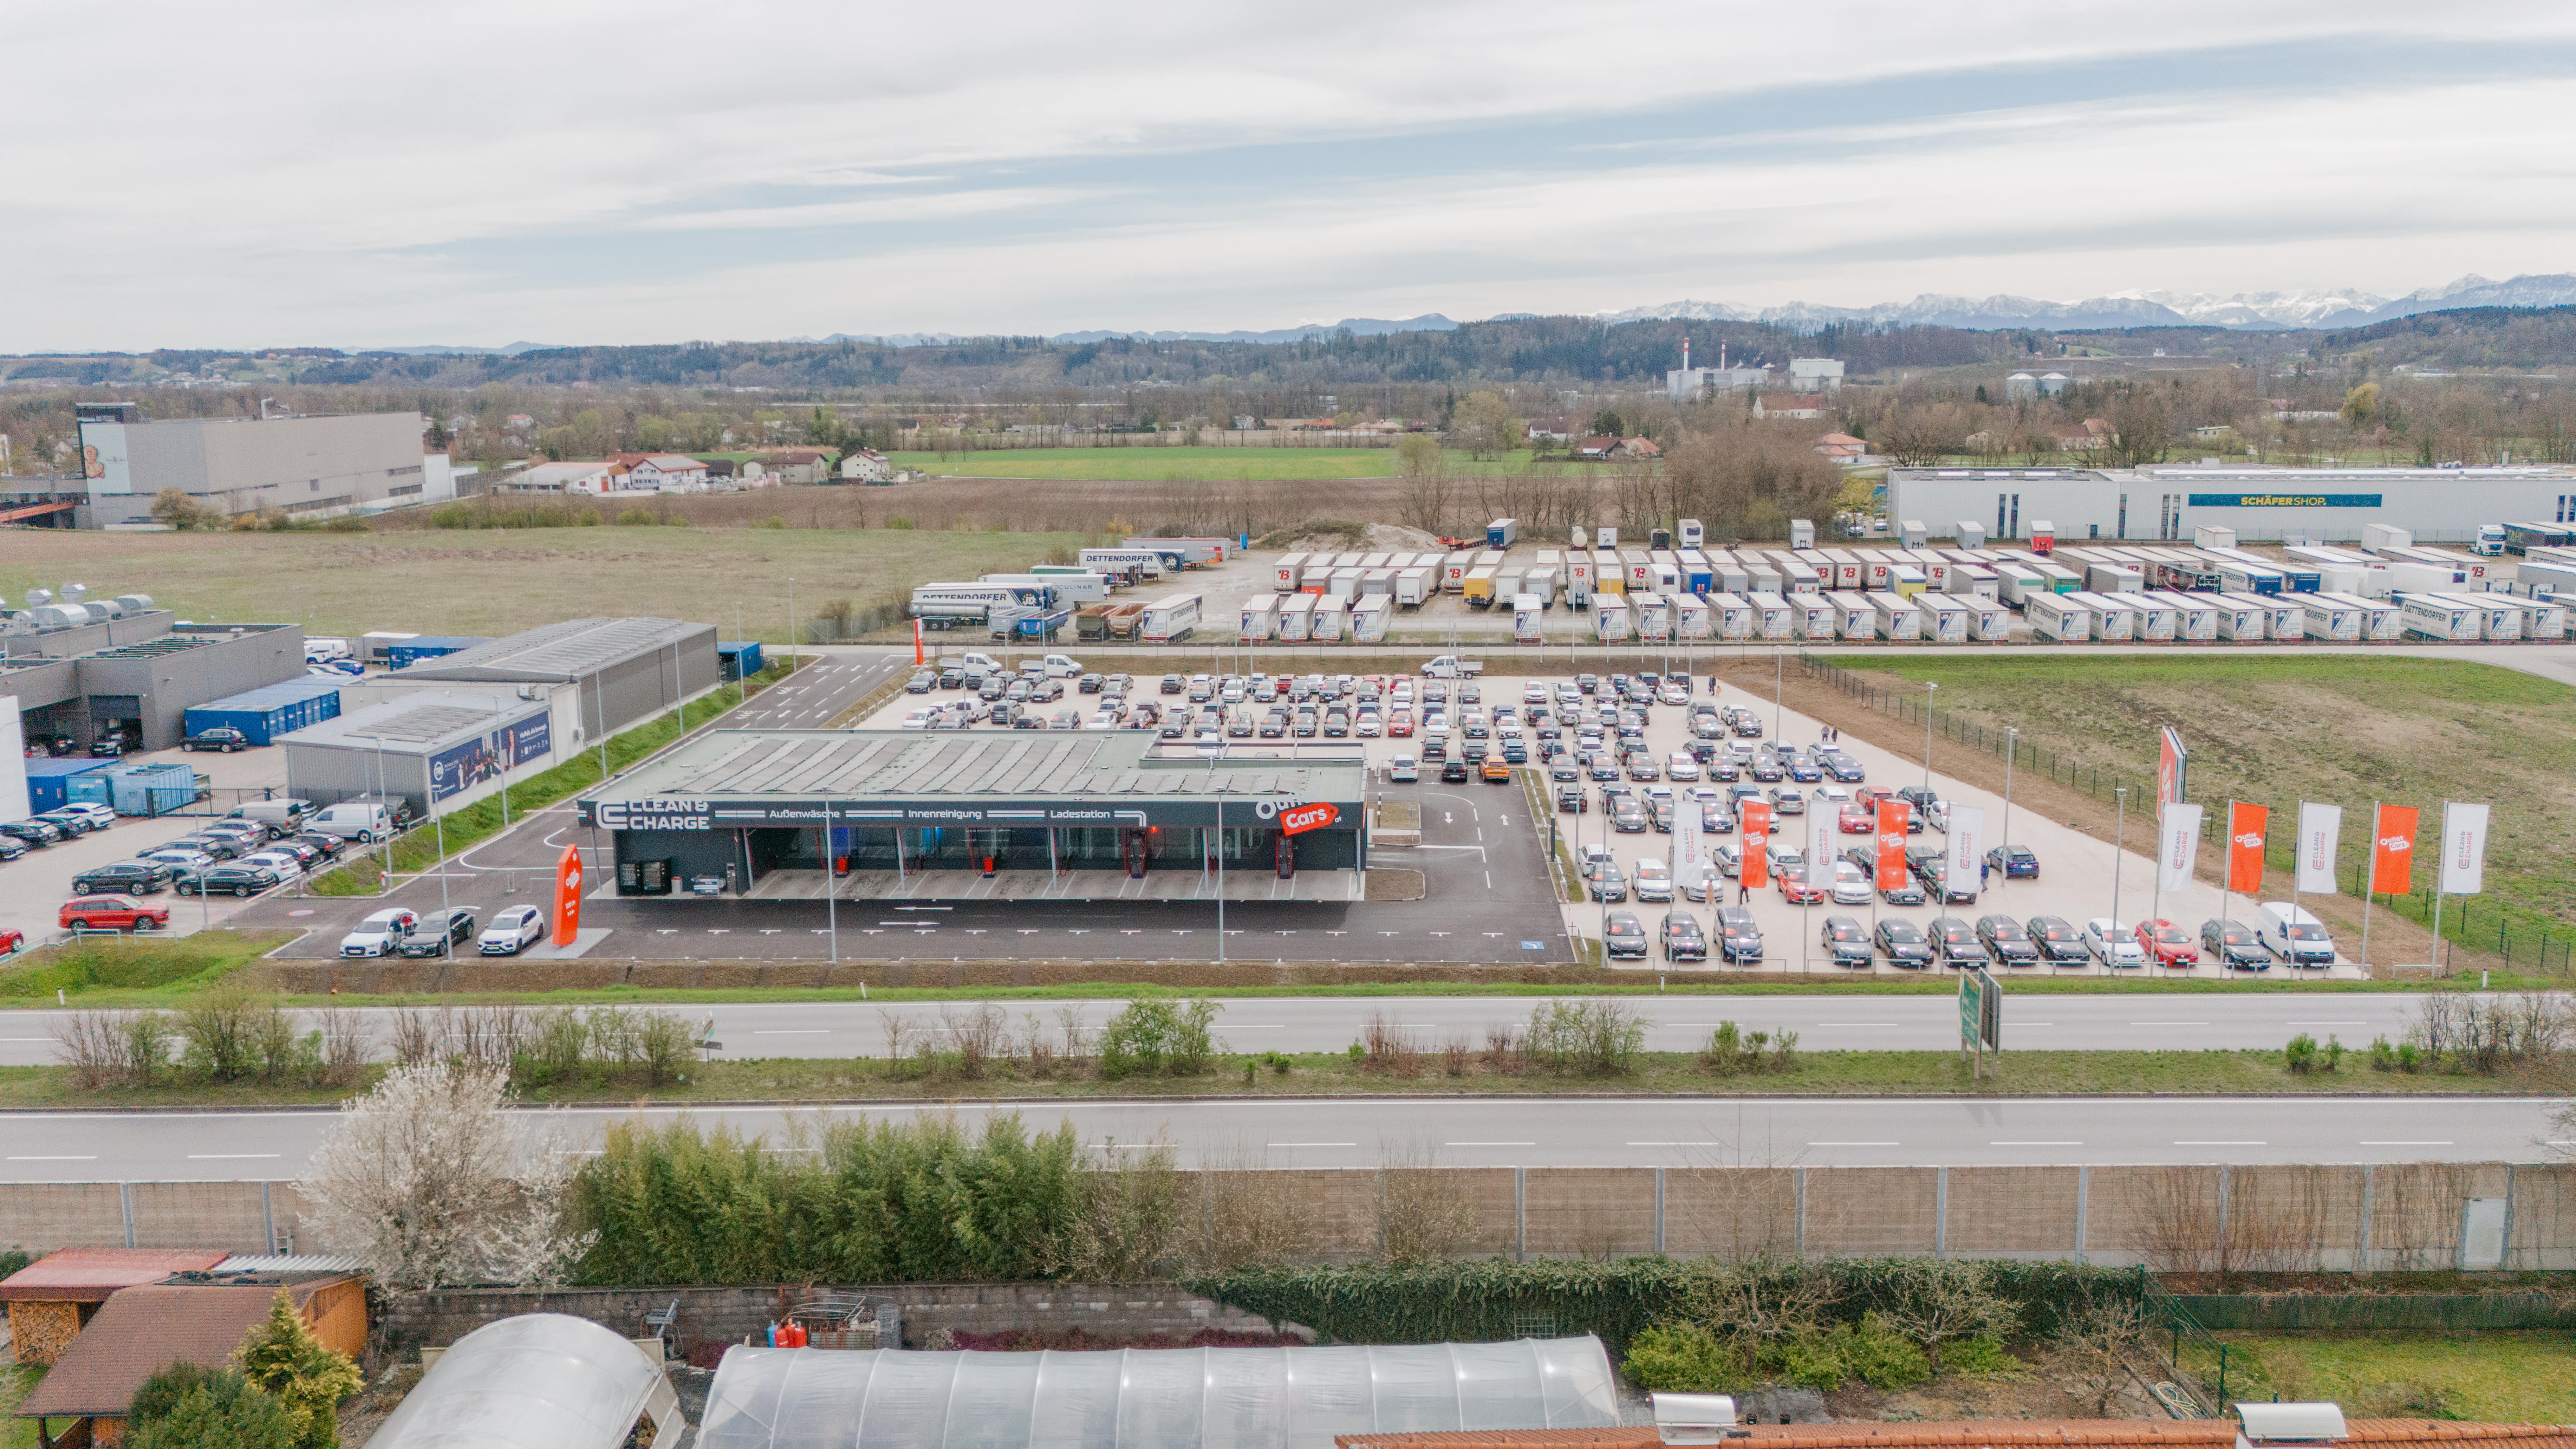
x=2525 y=944
x=2194 y=1357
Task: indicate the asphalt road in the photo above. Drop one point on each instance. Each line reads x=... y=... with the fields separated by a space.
x=1312 y=1024
x=817 y=693
x=1486 y=1132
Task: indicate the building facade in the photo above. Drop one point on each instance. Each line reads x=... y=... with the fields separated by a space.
x=2322 y=505
x=308 y=467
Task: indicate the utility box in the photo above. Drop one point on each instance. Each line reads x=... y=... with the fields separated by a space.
x=1971 y=534
x=1802 y=533
x=2211 y=535
x=1914 y=534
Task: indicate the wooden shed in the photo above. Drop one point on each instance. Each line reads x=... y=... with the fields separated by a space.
x=52 y=1298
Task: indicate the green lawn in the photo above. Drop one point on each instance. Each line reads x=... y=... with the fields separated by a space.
x=1181 y=465
x=2336 y=729
x=2514 y=1377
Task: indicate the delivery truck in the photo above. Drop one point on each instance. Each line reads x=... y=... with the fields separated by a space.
x=1413 y=586
x=2057 y=619
x=1502 y=533
x=1368 y=619
x=1332 y=618
x=1653 y=616
x=1899 y=619
x=1170 y=619
x=1479 y=588
x=1260 y=619
x=1855 y=615
x=1610 y=618
x=1691 y=619
x=1815 y=615
x=1526 y=614
x=1297 y=618
x=1944 y=619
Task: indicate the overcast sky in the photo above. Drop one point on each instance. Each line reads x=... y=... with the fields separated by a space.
x=359 y=173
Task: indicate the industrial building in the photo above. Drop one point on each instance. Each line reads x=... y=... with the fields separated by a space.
x=135 y=674
x=2166 y=503
x=624 y=670
x=308 y=467
x=1018 y=815
x=435 y=749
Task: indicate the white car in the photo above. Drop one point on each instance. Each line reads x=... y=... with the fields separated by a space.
x=1852 y=885
x=1533 y=693
x=380 y=934
x=1652 y=880
x=281 y=861
x=1681 y=766
x=1403 y=770
x=513 y=930
x=1830 y=799
x=96 y=816
x=1368 y=727
x=182 y=857
x=2113 y=943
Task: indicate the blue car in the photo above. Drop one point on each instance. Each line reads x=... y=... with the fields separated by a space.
x=2013 y=862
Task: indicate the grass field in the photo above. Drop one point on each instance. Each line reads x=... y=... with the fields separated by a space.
x=496 y=581
x=2512 y=1377
x=2335 y=729
x=1182 y=465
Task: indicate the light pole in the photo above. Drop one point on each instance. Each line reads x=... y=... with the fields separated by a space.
x=2012 y=740
x=831 y=887
x=1929 y=689
x=791 y=626
x=2119 y=847
x=1779 y=679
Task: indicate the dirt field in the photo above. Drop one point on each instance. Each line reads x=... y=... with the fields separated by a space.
x=498 y=581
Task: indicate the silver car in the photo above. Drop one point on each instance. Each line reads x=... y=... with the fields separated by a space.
x=513 y=930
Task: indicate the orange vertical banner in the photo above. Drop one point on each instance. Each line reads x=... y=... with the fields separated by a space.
x=2392 y=850
x=568 y=895
x=1755 y=870
x=2246 y=828
x=1892 y=873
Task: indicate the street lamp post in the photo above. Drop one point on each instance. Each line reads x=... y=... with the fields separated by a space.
x=2119 y=847
x=1929 y=689
x=2012 y=739
x=1779 y=679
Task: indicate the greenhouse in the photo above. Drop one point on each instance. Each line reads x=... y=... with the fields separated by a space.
x=1196 y=1398
x=538 y=1381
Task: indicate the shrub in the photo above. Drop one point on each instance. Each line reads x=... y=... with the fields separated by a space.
x=2301 y=1053
x=1980 y=1356
x=283 y=1358
x=1879 y=1356
x=899 y=521
x=1151 y=1035
x=635 y=517
x=1593 y=1038
x=1686 y=1358
x=188 y=1406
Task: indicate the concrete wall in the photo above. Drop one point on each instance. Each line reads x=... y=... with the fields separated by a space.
x=2271 y=1218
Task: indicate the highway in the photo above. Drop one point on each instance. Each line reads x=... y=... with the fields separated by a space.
x=1478 y=1132
x=1676 y=1023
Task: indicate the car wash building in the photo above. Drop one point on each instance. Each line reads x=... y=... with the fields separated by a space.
x=944 y=815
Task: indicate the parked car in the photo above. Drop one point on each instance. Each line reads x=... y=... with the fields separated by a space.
x=1786 y=800
x=1606 y=882
x=1453 y=772
x=1498 y=772
x=2056 y=940
x=440 y=933
x=12 y=941
x=1796 y=889
x=2113 y=943
x=1738 y=938
x=223 y=739
x=380 y=934
x=1842 y=767
x=33 y=831
x=1955 y=942
x=1628 y=817
x=1846 y=942
x=922 y=682
x=1683 y=940
x=2006 y=941
x=2167 y=944
x=1857 y=819
x=1403 y=770
x=1852 y=885
x=1625 y=935
x=112 y=912
x=74 y=820
x=2235 y=944
x=1652 y=880
x=2293 y=935
x=2013 y=862
x=232 y=878
x=124 y=877
x=1902 y=942
x=514 y=929
x=11 y=847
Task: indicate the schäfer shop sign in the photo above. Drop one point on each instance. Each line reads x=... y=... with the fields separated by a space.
x=1298 y=819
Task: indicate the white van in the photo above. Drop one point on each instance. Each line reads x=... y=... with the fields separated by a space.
x=282 y=817
x=2289 y=932
x=354 y=820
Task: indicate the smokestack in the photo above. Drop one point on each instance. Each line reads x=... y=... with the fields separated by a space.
x=1685 y=352
x=1721 y=354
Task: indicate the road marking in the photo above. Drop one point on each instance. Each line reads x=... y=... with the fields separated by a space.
x=2199 y=1142
x=1853 y=1144
x=227 y=1156
x=2168 y=1023
x=1310 y=1144
x=2404 y=1142
x=2035 y=1143
x=92 y=1157
x=795 y=1031
x=1489 y=1144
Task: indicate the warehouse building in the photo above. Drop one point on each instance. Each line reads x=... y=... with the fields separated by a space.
x=2261 y=503
x=306 y=467
x=135 y=677
x=1042 y=815
x=624 y=670
x=437 y=750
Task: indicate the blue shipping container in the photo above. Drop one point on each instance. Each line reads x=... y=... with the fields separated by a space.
x=49 y=781
x=149 y=788
x=264 y=714
x=428 y=646
x=740 y=659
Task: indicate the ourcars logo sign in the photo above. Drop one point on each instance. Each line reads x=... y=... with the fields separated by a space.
x=1298 y=819
x=2246 y=827
x=1891 y=843
x=2392 y=851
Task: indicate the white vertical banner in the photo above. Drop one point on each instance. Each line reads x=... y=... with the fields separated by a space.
x=13 y=762
x=1822 y=832
x=2178 y=848
x=1690 y=853
x=1965 y=855
x=2464 y=848
x=2320 y=832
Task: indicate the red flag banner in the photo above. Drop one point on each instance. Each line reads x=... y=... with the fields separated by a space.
x=1891 y=844
x=2246 y=828
x=567 y=923
x=2392 y=850
x=1755 y=871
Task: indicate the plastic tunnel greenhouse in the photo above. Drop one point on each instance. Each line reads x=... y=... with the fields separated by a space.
x=1221 y=1398
x=538 y=1381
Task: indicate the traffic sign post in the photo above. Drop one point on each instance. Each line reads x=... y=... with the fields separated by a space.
x=1981 y=1013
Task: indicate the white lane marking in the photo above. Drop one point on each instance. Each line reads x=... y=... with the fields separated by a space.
x=2168 y=1023
x=1489 y=1144
x=2211 y=1142
x=1853 y=1144
x=1673 y=1144
x=1310 y=1144
x=91 y=1157
x=227 y=1156
x=2405 y=1142
x=795 y=1031
x=2035 y=1142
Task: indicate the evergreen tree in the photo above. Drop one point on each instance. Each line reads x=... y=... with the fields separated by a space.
x=283 y=1358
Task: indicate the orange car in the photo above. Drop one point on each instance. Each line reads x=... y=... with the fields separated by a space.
x=1497 y=773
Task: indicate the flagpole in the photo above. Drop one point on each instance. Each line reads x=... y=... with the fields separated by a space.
x=2156 y=880
x=2436 y=961
x=2226 y=886
x=2369 y=885
x=2298 y=864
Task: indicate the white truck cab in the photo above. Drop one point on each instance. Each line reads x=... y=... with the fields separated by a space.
x=1451 y=666
x=2490 y=540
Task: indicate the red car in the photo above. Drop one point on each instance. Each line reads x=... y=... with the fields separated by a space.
x=2167 y=944
x=1796 y=891
x=12 y=942
x=1858 y=819
x=1400 y=723
x=120 y=913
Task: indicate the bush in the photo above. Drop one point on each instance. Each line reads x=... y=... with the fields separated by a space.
x=282 y=1358
x=189 y=1406
x=1979 y=1356
x=1152 y=1036
x=1685 y=1358
x=1593 y=1038
x=2301 y=1053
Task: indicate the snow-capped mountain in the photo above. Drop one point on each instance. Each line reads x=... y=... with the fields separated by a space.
x=2245 y=311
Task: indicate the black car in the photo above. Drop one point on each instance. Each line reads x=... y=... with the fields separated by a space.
x=1088 y=684
x=951 y=678
x=228 y=880
x=325 y=845
x=1172 y=684
x=1572 y=800
x=1766 y=768
x=429 y=939
x=2006 y=941
x=72 y=822
x=1738 y=938
x=1587 y=683
x=1683 y=940
x=11 y=847
x=2013 y=862
x=2056 y=940
x=922 y=682
x=2234 y=943
x=124 y=877
x=1842 y=767
x=1454 y=771
x=1921 y=798
x=1955 y=942
x=1846 y=942
x=1625 y=935
x=33 y=832
x=1903 y=943
x=1923 y=862
x=1628 y=817
x=222 y=738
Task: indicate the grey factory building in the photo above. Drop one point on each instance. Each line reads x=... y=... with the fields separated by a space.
x=307 y=467
x=439 y=750
x=623 y=670
x=135 y=676
x=1035 y=815
x=2166 y=502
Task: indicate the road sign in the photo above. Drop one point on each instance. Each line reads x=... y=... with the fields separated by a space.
x=1981 y=1017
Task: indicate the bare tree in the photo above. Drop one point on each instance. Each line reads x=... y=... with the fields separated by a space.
x=432 y=1179
x=1918 y=437
x=1421 y=1216
x=2097 y=1334
x=2141 y=428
